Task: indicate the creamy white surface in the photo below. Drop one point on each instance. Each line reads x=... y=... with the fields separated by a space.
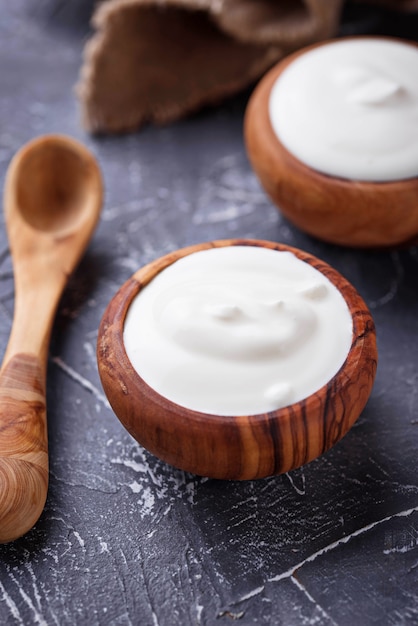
x=238 y=330
x=350 y=109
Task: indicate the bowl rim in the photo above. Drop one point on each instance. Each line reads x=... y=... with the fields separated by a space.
x=244 y=446
x=272 y=76
x=114 y=317
x=362 y=214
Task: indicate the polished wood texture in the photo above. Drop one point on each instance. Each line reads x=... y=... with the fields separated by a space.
x=52 y=202
x=350 y=213
x=245 y=446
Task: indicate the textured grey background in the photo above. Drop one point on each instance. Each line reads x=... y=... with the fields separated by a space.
x=124 y=538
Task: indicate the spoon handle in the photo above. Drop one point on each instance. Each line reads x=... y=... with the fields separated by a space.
x=23 y=424
x=23 y=445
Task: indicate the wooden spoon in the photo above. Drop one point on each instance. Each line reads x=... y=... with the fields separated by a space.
x=52 y=202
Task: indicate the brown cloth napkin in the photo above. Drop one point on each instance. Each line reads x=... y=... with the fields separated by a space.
x=158 y=60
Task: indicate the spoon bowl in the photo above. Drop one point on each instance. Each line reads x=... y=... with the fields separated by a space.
x=53 y=194
x=52 y=202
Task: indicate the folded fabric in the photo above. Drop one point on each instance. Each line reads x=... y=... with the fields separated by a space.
x=157 y=60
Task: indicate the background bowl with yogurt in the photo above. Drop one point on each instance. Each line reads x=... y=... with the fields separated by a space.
x=332 y=133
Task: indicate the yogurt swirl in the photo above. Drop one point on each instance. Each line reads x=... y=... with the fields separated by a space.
x=238 y=330
x=350 y=109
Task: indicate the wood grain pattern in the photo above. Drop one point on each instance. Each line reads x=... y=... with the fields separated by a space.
x=23 y=444
x=246 y=446
x=52 y=203
x=351 y=213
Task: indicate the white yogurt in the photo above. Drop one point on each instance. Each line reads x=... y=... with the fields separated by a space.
x=238 y=330
x=350 y=109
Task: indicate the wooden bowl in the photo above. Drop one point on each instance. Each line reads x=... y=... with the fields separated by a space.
x=337 y=210
x=244 y=446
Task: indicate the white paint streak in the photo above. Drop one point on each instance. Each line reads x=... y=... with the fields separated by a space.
x=299 y=491
x=147 y=496
x=199 y=611
x=90 y=350
x=134 y=465
x=147 y=502
x=11 y=605
x=124 y=559
x=243 y=503
x=336 y=544
x=243 y=520
x=51 y=554
x=37 y=595
x=154 y=488
x=302 y=588
x=241 y=195
x=167 y=510
x=104 y=549
x=91 y=482
x=394 y=286
x=290 y=573
x=251 y=594
x=135 y=486
x=223 y=215
x=86 y=384
x=134 y=206
x=37 y=617
x=381 y=469
x=79 y=539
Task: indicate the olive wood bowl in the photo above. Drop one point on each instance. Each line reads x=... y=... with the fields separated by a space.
x=243 y=446
x=336 y=210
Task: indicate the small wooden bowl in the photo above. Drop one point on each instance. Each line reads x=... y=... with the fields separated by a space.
x=337 y=210
x=245 y=446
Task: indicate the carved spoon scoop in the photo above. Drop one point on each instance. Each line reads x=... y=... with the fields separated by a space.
x=52 y=201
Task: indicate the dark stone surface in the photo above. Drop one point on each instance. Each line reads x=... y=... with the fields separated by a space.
x=124 y=538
